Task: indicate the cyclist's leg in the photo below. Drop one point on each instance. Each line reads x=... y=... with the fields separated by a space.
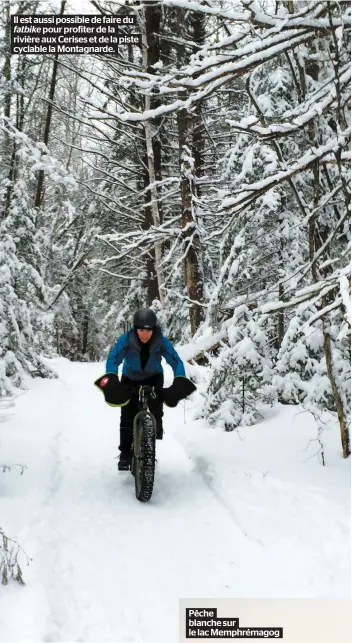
x=128 y=413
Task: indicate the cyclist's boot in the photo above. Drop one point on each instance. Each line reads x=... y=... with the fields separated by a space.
x=124 y=461
x=159 y=429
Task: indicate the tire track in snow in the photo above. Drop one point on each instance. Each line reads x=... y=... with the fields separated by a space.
x=49 y=535
x=202 y=467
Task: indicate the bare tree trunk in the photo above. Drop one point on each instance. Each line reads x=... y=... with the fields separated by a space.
x=317 y=235
x=21 y=77
x=152 y=278
x=281 y=319
x=152 y=22
x=6 y=73
x=150 y=149
x=191 y=143
x=85 y=329
x=345 y=436
x=154 y=204
x=193 y=274
x=40 y=183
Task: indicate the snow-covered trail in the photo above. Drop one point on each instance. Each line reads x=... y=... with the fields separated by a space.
x=105 y=566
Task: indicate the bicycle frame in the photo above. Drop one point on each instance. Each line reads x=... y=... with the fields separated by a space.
x=143 y=393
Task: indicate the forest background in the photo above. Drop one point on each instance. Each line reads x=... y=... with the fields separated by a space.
x=205 y=174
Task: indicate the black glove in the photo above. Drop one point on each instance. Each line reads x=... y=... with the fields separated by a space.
x=180 y=388
x=115 y=393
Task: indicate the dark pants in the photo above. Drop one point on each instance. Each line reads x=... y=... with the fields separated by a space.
x=129 y=411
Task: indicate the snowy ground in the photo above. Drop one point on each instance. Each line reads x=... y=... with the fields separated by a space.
x=248 y=514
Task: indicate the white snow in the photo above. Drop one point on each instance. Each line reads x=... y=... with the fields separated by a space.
x=346 y=295
x=247 y=514
x=297 y=117
x=313 y=154
x=158 y=65
x=260 y=19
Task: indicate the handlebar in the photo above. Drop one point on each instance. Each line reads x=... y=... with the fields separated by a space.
x=144 y=390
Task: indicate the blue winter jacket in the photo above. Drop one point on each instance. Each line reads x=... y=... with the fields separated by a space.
x=127 y=350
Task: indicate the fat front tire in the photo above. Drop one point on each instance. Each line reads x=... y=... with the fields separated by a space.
x=144 y=455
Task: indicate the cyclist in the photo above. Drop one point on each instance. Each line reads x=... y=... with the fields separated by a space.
x=141 y=350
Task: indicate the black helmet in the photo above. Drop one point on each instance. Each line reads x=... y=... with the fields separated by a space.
x=145 y=318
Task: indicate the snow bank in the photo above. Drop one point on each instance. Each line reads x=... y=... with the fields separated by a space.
x=270 y=479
